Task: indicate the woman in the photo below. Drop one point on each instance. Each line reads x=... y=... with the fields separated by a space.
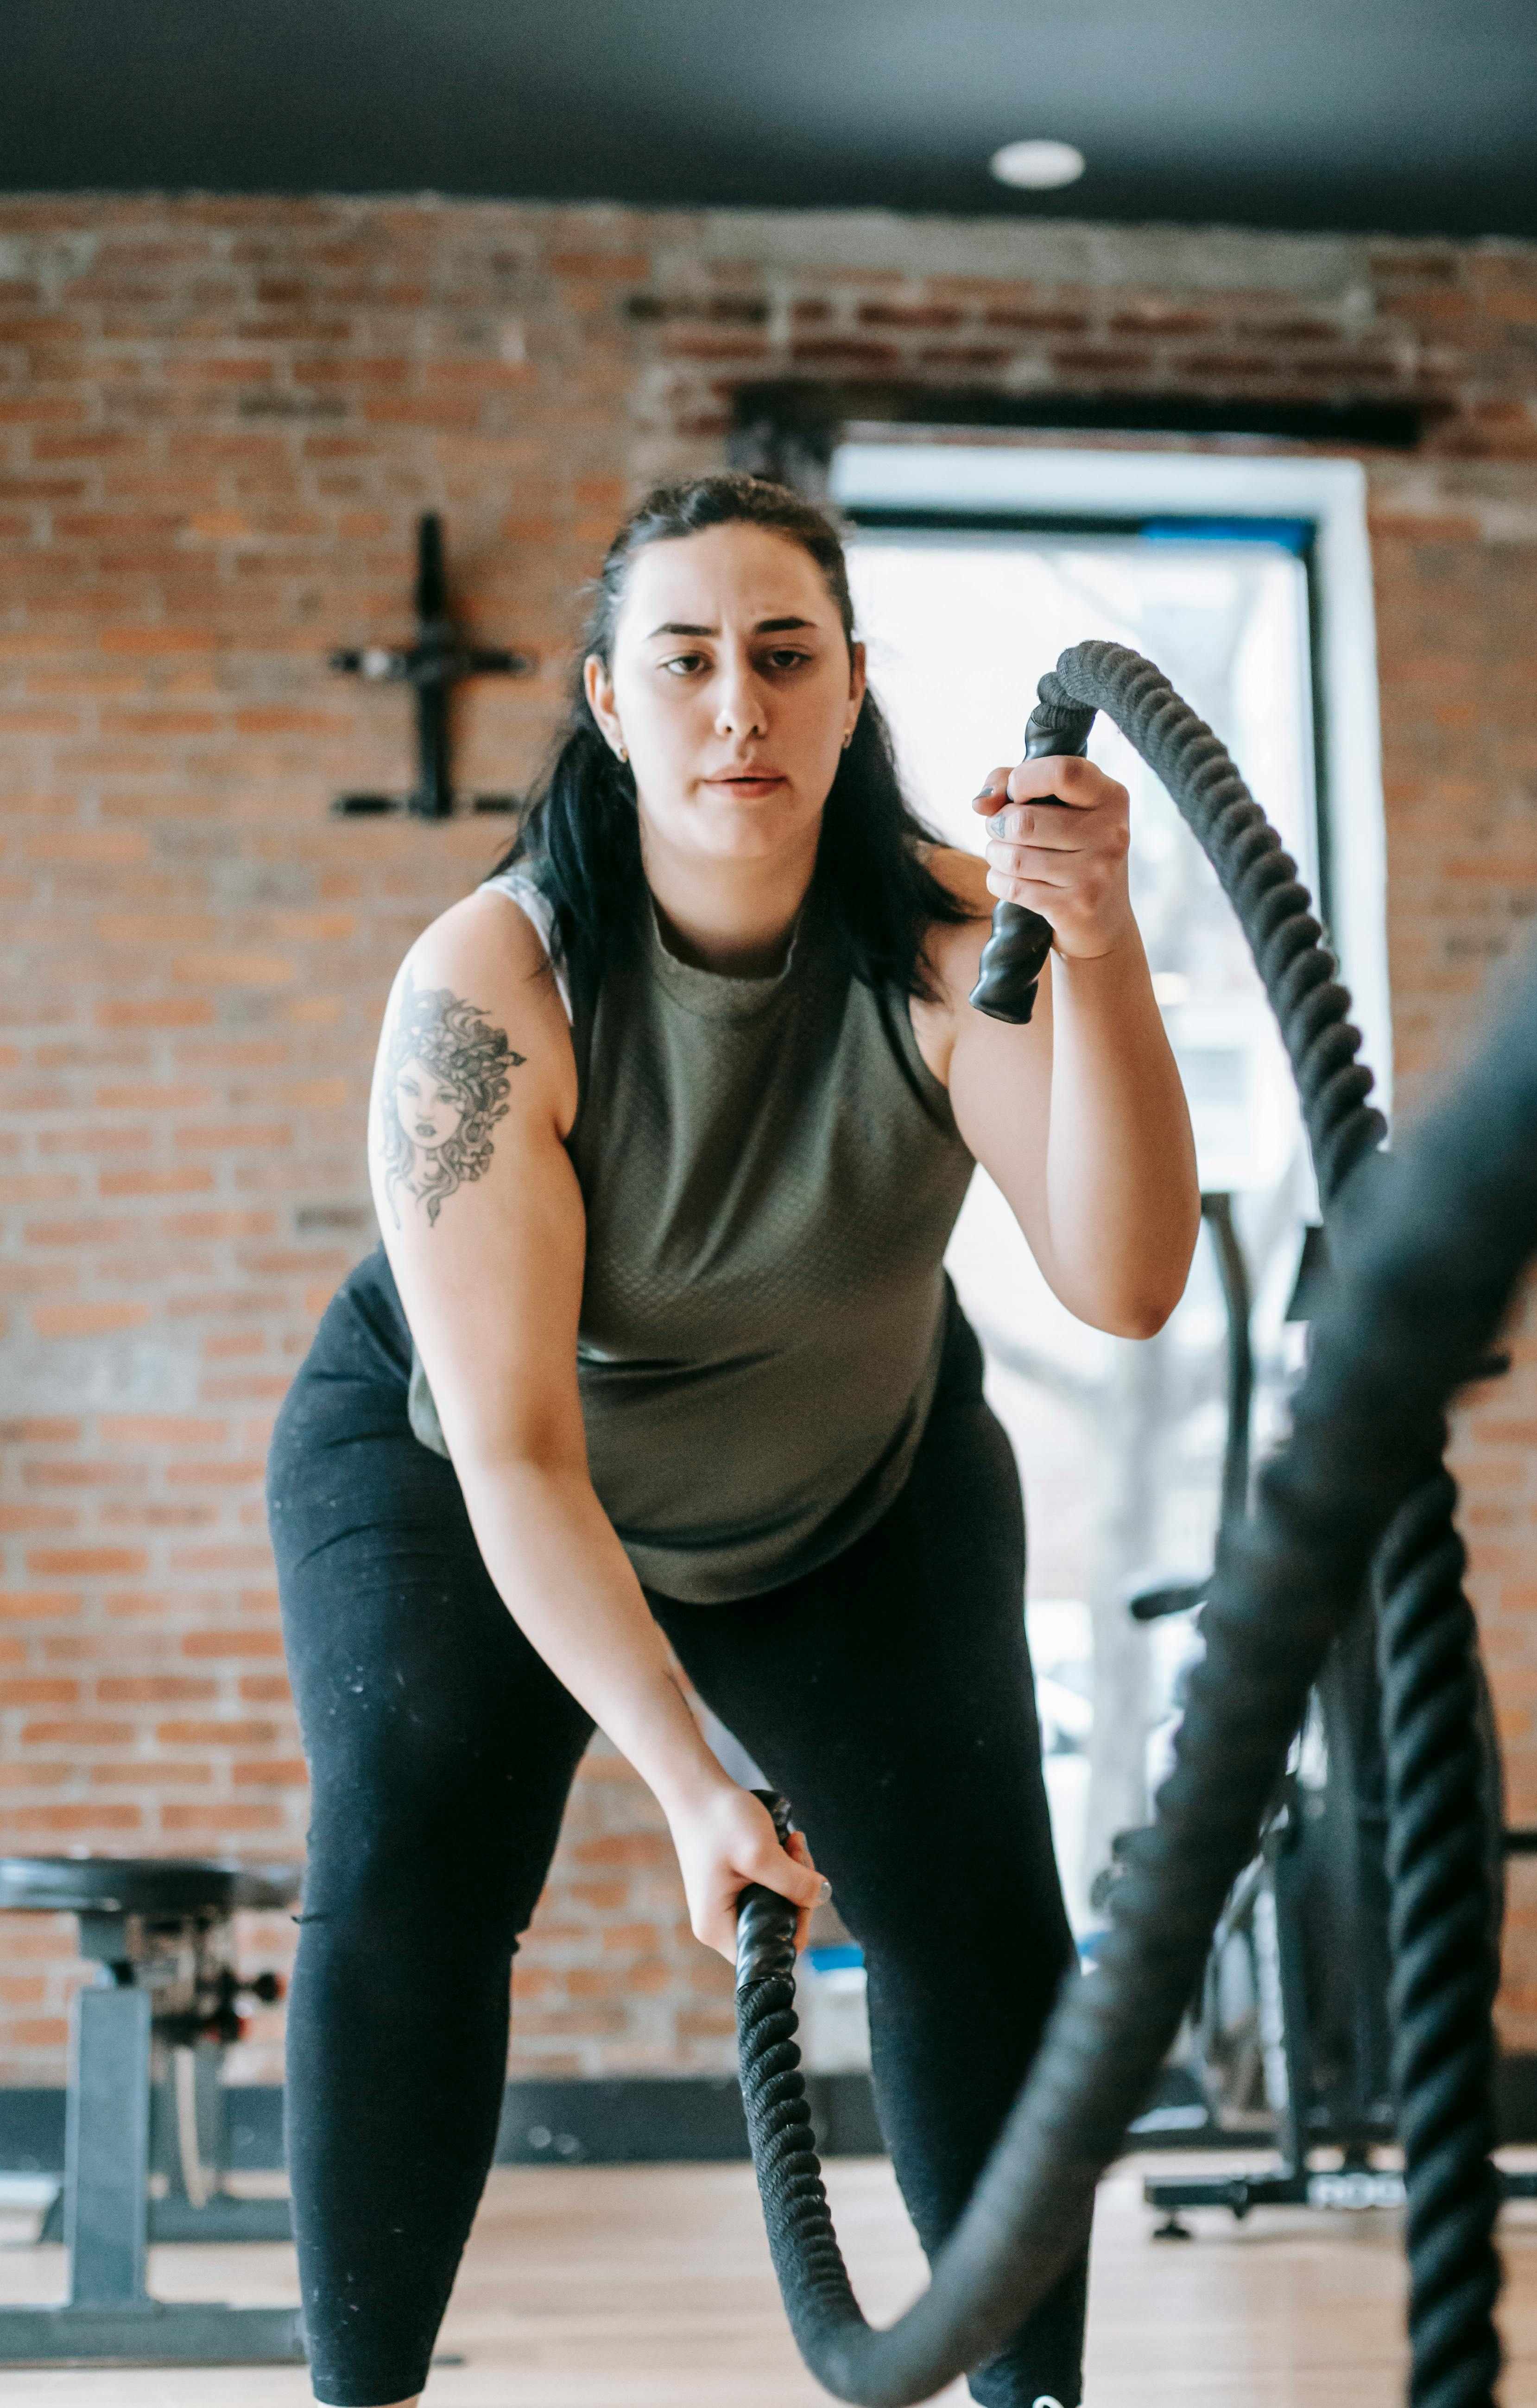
x=658 y=1363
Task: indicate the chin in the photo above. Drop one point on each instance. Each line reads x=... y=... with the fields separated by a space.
x=748 y=831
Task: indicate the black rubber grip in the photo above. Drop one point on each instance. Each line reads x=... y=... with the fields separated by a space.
x=1015 y=955
x=766 y=1923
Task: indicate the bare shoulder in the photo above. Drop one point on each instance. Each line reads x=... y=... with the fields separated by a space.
x=490 y=941
x=488 y=933
x=952 y=950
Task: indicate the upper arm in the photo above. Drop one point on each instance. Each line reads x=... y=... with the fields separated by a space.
x=474 y=1092
x=998 y=1075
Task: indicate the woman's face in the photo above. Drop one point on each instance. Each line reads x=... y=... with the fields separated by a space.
x=430 y=1112
x=729 y=657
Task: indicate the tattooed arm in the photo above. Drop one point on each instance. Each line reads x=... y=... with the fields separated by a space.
x=475 y=1092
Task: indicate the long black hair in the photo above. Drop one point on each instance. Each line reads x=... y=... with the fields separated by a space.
x=579 y=837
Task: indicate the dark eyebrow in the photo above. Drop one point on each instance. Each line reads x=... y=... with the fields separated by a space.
x=764 y=627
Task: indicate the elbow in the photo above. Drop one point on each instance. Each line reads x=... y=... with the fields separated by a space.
x=521 y=1455
x=520 y=1444
x=1142 y=1317
x=1138 y=1313
x=1147 y=1307
x=1146 y=1303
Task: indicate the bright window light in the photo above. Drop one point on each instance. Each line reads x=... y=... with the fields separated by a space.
x=1120 y=1444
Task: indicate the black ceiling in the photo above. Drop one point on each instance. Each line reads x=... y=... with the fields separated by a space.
x=1400 y=116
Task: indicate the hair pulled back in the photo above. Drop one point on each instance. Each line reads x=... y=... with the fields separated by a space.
x=579 y=837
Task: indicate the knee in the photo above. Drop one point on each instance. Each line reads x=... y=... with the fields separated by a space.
x=396 y=1835
x=971 y=1962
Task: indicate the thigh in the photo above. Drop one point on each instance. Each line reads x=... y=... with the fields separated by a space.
x=436 y=1734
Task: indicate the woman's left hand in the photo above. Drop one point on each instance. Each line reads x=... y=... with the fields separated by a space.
x=1060 y=849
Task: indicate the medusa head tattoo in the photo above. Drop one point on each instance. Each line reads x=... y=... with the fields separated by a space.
x=443 y=1090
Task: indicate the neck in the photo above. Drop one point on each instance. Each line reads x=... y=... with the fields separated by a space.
x=736 y=917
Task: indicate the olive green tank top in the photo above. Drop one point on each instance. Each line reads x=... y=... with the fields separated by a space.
x=771 y=1173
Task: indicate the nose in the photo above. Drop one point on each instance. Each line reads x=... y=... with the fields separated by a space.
x=740 y=707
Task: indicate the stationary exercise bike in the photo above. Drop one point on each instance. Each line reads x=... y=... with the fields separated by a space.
x=1290 y=2039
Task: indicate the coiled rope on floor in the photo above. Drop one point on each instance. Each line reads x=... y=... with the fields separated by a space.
x=1397 y=1333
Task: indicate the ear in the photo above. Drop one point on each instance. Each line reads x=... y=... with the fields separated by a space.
x=600 y=690
x=856 y=673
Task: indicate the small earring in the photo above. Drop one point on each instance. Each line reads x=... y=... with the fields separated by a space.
x=848 y=739
x=623 y=753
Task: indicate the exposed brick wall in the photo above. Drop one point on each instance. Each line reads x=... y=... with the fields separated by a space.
x=218 y=421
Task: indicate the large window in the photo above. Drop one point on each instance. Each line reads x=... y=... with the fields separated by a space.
x=1120 y=1444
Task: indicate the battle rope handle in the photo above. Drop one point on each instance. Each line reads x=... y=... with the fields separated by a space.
x=1395 y=1333
x=1015 y=955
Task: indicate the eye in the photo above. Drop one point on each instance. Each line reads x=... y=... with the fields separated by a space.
x=783 y=657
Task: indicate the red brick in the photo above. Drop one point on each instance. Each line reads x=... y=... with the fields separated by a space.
x=216 y=1819
x=80 y=1731
x=262 y=1689
x=89 y=1814
x=213 y=1732
x=231 y=1642
x=151 y=1430
x=70 y=1562
x=161 y=1688
x=153 y=1773
x=88 y=1319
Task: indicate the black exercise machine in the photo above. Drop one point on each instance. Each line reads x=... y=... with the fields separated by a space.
x=1290 y=2038
x=147 y=2040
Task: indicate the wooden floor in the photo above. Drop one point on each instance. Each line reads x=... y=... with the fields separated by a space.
x=651 y=2287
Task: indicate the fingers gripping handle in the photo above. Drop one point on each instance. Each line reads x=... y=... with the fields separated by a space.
x=766 y=1923
x=1016 y=954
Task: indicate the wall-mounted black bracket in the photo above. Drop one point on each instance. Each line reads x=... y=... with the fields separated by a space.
x=434 y=666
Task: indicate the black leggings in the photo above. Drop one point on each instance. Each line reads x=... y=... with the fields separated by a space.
x=888 y=1695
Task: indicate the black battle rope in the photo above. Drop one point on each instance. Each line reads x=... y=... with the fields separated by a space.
x=1401 y=1327
x=1444 y=1919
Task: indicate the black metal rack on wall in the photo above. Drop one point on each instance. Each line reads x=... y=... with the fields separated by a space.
x=440 y=658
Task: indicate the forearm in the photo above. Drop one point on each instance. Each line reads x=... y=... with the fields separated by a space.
x=1123 y=1201
x=567 y=1584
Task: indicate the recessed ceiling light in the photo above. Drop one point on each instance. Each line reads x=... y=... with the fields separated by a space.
x=1038 y=167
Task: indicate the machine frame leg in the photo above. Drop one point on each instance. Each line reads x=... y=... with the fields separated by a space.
x=110 y=2315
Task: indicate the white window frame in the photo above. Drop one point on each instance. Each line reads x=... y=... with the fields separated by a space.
x=1331 y=492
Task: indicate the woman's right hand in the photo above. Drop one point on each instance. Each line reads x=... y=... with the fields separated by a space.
x=727 y=1839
